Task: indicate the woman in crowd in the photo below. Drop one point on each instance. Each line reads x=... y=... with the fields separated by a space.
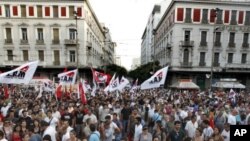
x=16 y=136
x=198 y=135
x=216 y=135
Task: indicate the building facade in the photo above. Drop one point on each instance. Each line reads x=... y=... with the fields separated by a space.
x=193 y=34
x=58 y=33
x=135 y=63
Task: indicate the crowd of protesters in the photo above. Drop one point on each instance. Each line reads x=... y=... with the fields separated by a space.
x=148 y=115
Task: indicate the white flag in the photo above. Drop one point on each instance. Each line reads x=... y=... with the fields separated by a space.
x=67 y=78
x=20 y=75
x=157 y=80
x=114 y=85
x=123 y=83
x=107 y=87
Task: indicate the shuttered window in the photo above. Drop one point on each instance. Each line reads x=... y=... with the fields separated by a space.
x=241 y=15
x=31 y=10
x=41 y=55
x=71 y=11
x=56 y=34
x=180 y=14
x=25 y=55
x=39 y=11
x=47 y=11
x=79 y=11
x=197 y=15
x=226 y=17
x=15 y=11
x=23 y=11
x=63 y=11
x=55 y=11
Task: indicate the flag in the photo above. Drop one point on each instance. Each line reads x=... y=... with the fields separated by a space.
x=81 y=93
x=6 y=91
x=94 y=88
x=100 y=77
x=20 y=75
x=134 y=87
x=67 y=78
x=107 y=87
x=59 y=91
x=157 y=80
x=113 y=86
x=123 y=83
x=40 y=92
x=232 y=94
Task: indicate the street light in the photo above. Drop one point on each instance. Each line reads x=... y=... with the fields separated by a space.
x=77 y=46
x=216 y=10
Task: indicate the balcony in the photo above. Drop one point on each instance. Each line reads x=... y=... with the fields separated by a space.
x=202 y=64
x=70 y=41
x=89 y=45
x=217 y=44
x=40 y=42
x=245 y=45
x=216 y=64
x=8 y=41
x=237 y=65
x=203 y=44
x=169 y=45
x=231 y=44
x=233 y=22
x=187 y=43
x=186 y=64
x=71 y=63
x=188 y=20
x=24 y=41
x=204 y=21
x=55 y=42
x=56 y=63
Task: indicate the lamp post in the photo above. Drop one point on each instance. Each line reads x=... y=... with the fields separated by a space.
x=77 y=46
x=216 y=10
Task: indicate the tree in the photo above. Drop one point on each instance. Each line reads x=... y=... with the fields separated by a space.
x=113 y=68
x=144 y=71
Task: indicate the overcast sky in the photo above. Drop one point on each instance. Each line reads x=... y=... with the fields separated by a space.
x=126 y=20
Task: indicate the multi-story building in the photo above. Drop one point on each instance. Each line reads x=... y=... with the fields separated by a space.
x=192 y=31
x=135 y=63
x=58 y=33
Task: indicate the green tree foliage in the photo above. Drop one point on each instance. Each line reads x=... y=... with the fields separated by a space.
x=113 y=68
x=144 y=71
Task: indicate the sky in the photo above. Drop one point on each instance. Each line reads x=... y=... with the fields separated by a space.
x=126 y=20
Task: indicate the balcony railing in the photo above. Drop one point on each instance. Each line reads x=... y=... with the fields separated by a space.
x=188 y=20
x=70 y=41
x=55 y=42
x=216 y=64
x=40 y=42
x=186 y=64
x=203 y=44
x=245 y=45
x=89 y=45
x=71 y=63
x=56 y=63
x=202 y=64
x=24 y=41
x=217 y=44
x=231 y=44
x=187 y=43
x=204 y=21
x=8 y=41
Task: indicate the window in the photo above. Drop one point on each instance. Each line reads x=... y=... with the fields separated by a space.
x=244 y=58
x=216 y=58
x=219 y=17
x=226 y=16
x=8 y=34
x=186 y=57
x=24 y=34
x=56 y=35
x=247 y=18
x=245 y=38
x=63 y=11
x=57 y=57
x=31 y=10
x=23 y=11
x=15 y=11
x=79 y=11
x=188 y=15
x=47 y=11
x=231 y=37
x=240 y=18
x=187 y=35
x=10 y=55
x=25 y=55
x=40 y=34
x=203 y=38
x=202 y=58
x=55 y=11
x=233 y=17
x=72 y=56
x=39 y=11
x=217 y=38
x=7 y=10
x=72 y=34
x=71 y=11
x=205 y=16
x=41 y=55
x=180 y=14
x=230 y=58
x=196 y=15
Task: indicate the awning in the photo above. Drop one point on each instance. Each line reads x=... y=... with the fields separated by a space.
x=185 y=84
x=229 y=85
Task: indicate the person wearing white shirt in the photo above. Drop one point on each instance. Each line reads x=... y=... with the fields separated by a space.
x=50 y=119
x=232 y=117
x=138 y=128
x=226 y=132
x=5 y=109
x=191 y=127
x=48 y=130
x=207 y=131
x=90 y=115
x=66 y=135
x=56 y=113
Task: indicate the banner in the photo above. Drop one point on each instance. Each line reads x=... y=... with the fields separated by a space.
x=20 y=75
x=67 y=78
x=114 y=85
x=107 y=88
x=100 y=77
x=157 y=80
x=82 y=93
x=123 y=83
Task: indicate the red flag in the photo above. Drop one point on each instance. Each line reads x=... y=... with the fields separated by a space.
x=101 y=77
x=59 y=91
x=6 y=91
x=82 y=94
